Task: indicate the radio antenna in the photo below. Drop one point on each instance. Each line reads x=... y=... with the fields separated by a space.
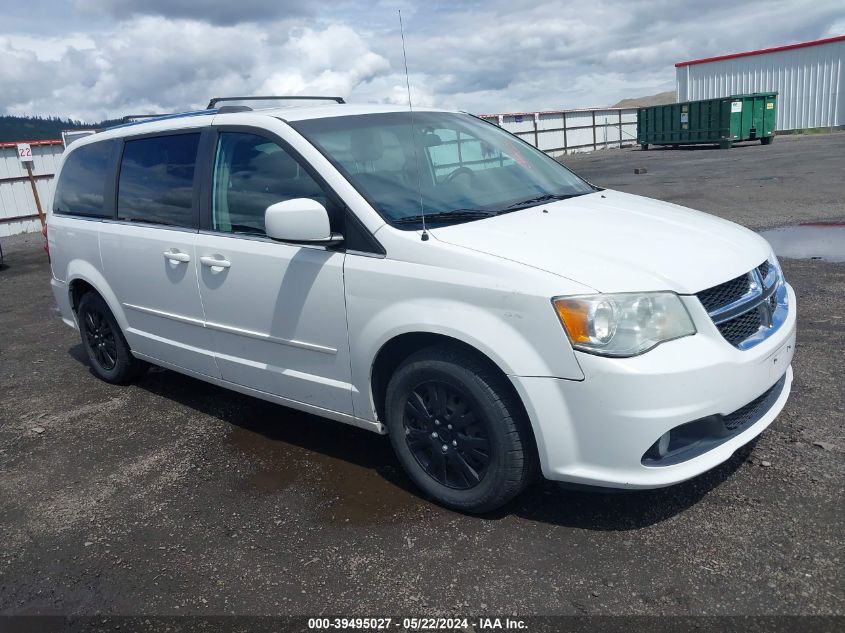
x=413 y=130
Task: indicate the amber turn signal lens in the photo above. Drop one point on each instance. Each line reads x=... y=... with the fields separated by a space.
x=575 y=318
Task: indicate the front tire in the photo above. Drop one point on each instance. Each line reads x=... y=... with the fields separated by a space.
x=108 y=352
x=458 y=429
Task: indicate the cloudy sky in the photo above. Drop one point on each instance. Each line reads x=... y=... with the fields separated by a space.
x=92 y=59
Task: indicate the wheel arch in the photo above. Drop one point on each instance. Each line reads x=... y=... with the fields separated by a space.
x=401 y=346
x=82 y=277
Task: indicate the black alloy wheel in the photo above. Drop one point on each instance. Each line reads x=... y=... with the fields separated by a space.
x=446 y=435
x=458 y=428
x=100 y=339
x=104 y=343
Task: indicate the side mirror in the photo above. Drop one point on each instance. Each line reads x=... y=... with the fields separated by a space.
x=299 y=220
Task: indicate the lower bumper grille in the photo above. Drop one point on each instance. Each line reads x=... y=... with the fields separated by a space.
x=754 y=410
x=695 y=438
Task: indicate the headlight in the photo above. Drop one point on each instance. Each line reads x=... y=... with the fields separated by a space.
x=624 y=324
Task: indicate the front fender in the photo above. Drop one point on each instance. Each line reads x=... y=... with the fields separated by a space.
x=516 y=342
x=499 y=336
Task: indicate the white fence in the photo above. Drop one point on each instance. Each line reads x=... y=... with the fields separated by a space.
x=18 y=213
x=559 y=132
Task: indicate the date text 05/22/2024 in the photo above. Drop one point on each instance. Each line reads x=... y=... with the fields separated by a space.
x=417 y=624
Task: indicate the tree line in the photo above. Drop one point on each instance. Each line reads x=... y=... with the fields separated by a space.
x=37 y=128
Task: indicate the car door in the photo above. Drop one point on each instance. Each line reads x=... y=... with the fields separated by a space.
x=149 y=252
x=276 y=310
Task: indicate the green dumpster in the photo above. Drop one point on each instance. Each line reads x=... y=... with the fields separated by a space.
x=724 y=121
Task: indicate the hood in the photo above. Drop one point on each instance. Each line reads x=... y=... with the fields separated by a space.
x=617 y=242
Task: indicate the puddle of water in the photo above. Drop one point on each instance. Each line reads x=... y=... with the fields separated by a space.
x=285 y=462
x=824 y=240
x=363 y=496
x=352 y=473
x=349 y=475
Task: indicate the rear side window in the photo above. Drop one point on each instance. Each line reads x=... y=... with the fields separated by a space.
x=156 y=183
x=83 y=181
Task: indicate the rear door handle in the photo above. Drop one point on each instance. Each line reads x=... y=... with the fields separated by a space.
x=209 y=260
x=177 y=256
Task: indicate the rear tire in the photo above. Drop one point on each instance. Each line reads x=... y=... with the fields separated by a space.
x=767 y=140
x=108 y=352
x=725 y=144
x=644 y=147
x=458 y=429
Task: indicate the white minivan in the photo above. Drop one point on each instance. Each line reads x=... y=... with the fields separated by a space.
x=429 y=276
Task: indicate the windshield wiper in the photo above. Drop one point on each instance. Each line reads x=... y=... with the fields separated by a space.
x=440 y=216
x=547 y=197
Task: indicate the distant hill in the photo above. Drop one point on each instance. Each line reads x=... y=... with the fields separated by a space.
x=661 y=98
x=25 y=128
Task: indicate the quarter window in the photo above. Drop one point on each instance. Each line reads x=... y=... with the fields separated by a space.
x=157 y=180
x=250 y=174
x=82 y=183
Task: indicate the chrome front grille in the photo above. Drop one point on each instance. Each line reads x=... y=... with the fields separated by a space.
x=741 y=328
x=748 y=308
x=723 y=294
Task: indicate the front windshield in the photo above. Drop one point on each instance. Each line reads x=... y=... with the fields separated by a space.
x=469 y=168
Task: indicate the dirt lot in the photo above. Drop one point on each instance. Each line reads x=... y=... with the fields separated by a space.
x=171 y=496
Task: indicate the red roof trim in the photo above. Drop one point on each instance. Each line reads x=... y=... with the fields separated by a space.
x=52 y=141
x=762 y=51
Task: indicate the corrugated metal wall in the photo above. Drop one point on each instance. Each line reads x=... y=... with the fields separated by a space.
x=809 y=82
x=559 y=132
x=18 y=213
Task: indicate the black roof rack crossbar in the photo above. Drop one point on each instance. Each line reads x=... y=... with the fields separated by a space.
x=217 y=100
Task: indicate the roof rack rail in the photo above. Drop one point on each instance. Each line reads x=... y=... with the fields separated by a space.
x=234 y=108
x=132 y=117
x=217 y=100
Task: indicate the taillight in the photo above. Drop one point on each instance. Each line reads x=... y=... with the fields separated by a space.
x=46 y=243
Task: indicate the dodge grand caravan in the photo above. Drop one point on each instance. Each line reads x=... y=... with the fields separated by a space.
x=431 y=277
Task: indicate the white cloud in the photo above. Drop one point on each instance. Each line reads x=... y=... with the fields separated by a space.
x=837 y=28
x=154 y=64
x=334 y=61
x=48 y=48
x=498 y=55
x=225 y=12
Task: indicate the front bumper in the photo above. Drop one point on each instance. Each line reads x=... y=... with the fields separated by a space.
x=596 y=431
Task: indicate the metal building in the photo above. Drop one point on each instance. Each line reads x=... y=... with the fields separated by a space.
x=809 y=78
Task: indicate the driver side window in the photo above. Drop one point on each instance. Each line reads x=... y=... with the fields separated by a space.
x=251 y=173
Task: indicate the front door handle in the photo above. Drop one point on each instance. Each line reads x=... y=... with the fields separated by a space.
x=177 y=256
x=214 y=262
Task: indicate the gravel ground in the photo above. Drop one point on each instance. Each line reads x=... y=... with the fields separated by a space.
x=171 y=496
